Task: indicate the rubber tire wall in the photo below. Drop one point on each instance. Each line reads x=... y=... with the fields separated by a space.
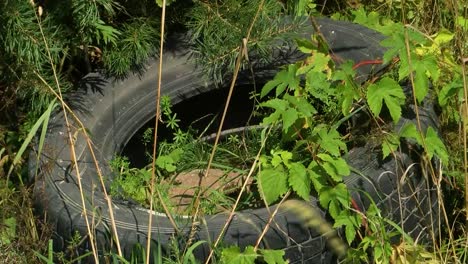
x=112 y=110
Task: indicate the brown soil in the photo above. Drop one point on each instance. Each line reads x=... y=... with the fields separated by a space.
x=184 y=187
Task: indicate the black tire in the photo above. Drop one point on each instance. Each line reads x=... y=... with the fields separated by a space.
x=113 y=110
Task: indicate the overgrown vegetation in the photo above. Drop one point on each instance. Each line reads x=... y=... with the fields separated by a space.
x=55 y=43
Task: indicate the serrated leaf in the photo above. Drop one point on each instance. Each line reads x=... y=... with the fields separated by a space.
x=449 y=90
x=270 y=85
x=421 y=84
x=316 y=175
x=435 y=146
x=271 y=256
x=389 y=91
x=410 y=131
x=302 y=105
x=277 y=104
x=334 y=198
x=317 y=62
x=281 y=157
x=329 y=140
x=335 y=167
x=273 y=183
x=351 y=223
x=232 y=255
x=166 y=162
x=299 y=180
x=289 y=117
x=390 y=144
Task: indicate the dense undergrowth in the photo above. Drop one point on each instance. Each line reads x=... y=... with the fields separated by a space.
x=48 y=46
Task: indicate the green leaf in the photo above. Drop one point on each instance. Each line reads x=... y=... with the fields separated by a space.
x=8 y=231
x=108 y=33
x=424 y=68
x=335 y=167
x=448 y=91
x=189 y=258
x=435 y=146
x=305 y=45
x=329 y=140
x=281 y=157
x=284 y=79
x=289 y=118
x=166 y=162
x=317 y=62
x=299 y=180
x=301 y=104
x=389 y=91
x=233 y=255
x=390 y=144
x=351 y=223
x=32 y=132
x=271 y=256
x=462 y=22
x=273 y=183
x=334 y=198
x=270 y=85
x=409 y=131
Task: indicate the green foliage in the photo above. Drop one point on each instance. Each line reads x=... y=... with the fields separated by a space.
x=8 y=231
x=388 y=91
x=227 y=22
x=249 y=255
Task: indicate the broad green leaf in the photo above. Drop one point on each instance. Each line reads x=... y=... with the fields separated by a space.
x=389 y=91
x=281 y=157
x=448 y=91
x=462 y=22
x=390 y=144
x=329 y=140
x=317 y=62
x=410 y=131
x=270 y=85
x=435 y=146
x=421 y=84
x=166 y=162
x=271 y=256
x=289 y=118
x=284 y=79
x=443 y=36
x=301 y=104
x=232 y=255
x=273 y=183
x=299 y=180
x=277 y=104
x=335 y=167
x=317 y=175
x=351 y=223
x=424 y=68
x=334 y=198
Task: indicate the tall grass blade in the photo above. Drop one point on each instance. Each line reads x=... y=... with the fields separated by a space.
x=41 y=121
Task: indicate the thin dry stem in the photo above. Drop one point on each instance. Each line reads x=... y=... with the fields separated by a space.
x=153 y=164
x=71 y=141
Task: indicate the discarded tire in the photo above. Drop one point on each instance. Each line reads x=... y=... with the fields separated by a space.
x=112 y=110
